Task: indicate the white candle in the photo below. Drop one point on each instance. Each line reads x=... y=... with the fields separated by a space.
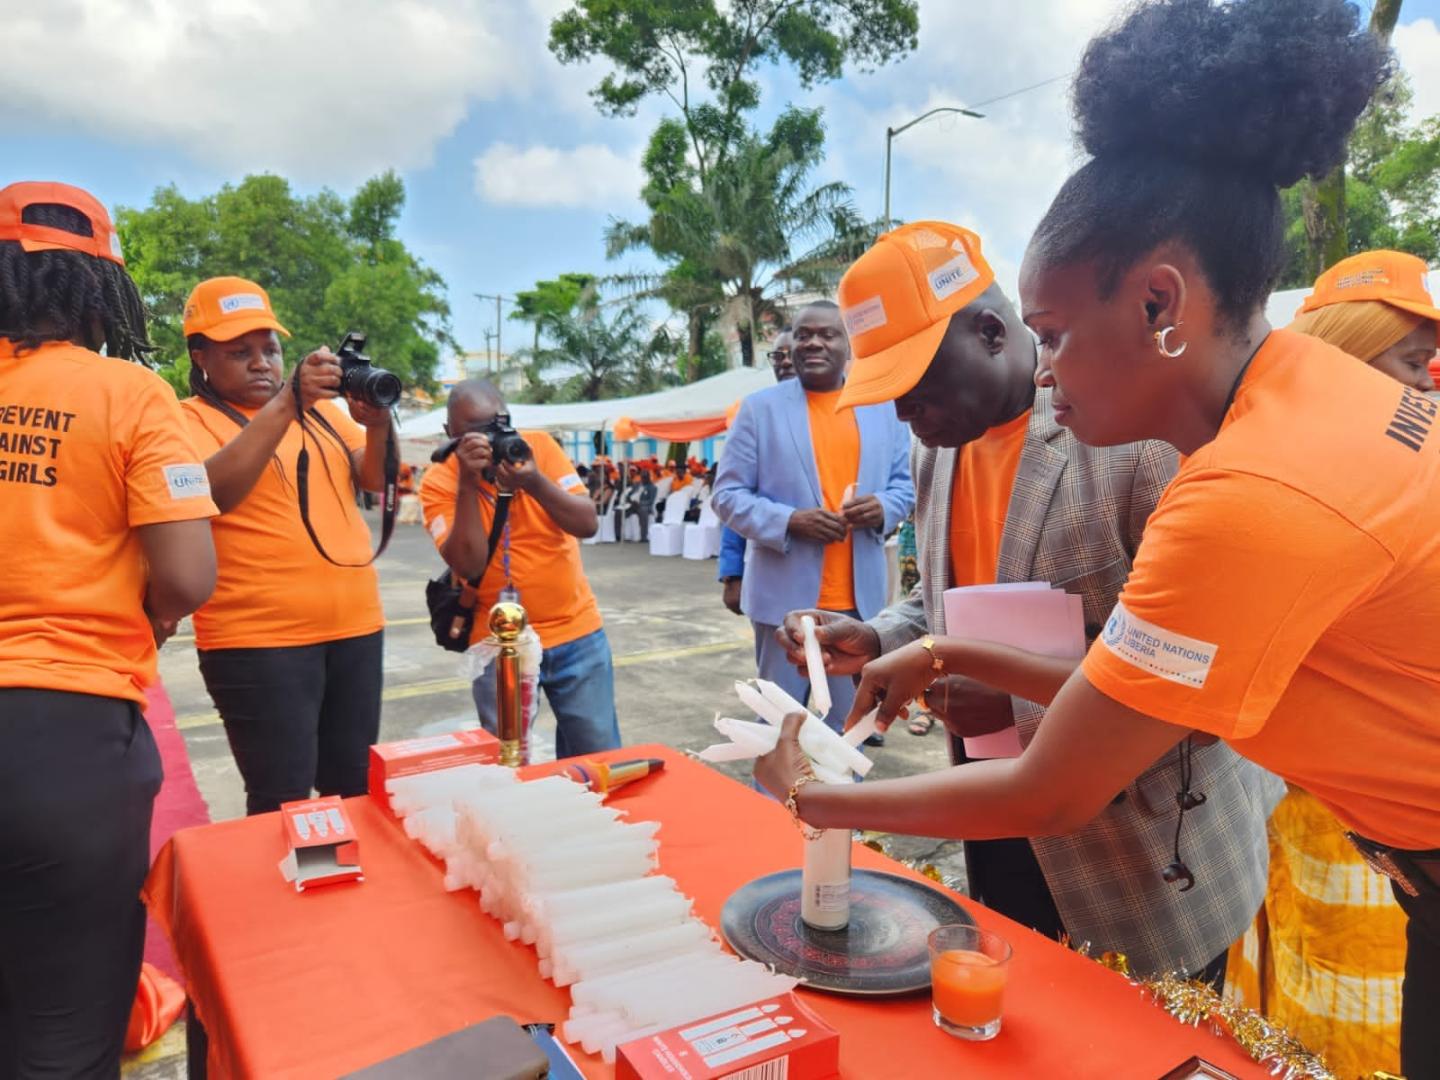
x=815 y=666
x=825 y=881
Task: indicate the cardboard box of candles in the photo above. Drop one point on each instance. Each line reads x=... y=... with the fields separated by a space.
x=323 y=847
x=410 y=757
x=775 y=1037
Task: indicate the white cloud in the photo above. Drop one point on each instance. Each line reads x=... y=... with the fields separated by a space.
x=327 y=90
x=995 y=175
x=1418 y=46
x=591 y=176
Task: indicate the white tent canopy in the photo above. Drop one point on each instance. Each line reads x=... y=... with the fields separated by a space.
x=708 y=397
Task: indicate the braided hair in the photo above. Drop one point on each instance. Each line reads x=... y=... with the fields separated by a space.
x=60 y=295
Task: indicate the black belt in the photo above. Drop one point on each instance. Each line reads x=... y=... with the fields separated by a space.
x=1417 y=872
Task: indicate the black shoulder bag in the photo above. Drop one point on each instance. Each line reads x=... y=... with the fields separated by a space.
x=452 y=606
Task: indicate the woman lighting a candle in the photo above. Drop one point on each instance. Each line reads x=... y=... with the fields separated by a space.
x=1286 y=597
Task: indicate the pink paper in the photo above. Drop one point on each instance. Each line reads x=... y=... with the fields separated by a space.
x=1028 y=615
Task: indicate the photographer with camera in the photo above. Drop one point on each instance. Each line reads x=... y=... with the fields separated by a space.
x=291 y=644
x=536 y=561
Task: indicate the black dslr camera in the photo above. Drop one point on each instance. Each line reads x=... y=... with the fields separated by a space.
x=506 y=445
x=360 y=379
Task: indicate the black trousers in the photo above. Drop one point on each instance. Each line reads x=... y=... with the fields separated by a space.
x=78 y=779
x=299 y=718
x=1419 y=1032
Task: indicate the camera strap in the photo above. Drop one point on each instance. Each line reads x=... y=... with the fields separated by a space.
x=390 y=497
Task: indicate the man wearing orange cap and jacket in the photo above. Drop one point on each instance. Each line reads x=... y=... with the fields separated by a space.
x=1004 y=494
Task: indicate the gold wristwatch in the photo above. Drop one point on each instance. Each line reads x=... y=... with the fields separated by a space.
x=807 y=831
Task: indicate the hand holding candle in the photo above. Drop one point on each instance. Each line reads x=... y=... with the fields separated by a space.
x=815 y=667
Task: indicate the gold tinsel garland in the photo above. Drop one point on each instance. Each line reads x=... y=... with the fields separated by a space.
x=1191 y=1002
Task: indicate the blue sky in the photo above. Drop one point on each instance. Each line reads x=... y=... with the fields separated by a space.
x=511 y=172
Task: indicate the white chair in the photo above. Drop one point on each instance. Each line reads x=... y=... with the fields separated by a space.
x=667 y=539
x=701 y=541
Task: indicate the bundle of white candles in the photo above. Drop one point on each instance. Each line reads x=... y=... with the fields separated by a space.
x=833 y=757
x=562 y=872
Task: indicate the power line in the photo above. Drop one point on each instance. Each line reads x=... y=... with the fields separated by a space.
x=1022 y=90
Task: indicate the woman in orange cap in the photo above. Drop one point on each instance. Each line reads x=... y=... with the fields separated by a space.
x=1286 y=596
x=107 y=544
x=291 y=646
x=1326 y=962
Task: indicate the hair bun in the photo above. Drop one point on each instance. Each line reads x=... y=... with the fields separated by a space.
x=1271 y=88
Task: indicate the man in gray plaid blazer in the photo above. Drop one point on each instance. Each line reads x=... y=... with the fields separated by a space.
x=1075 y=518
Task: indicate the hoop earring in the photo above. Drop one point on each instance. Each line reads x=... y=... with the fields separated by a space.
x=1162 y=343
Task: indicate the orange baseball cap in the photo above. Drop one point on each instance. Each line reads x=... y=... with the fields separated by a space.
x=104 y=243
x=224 y=308
x=897 y=300
x=1392 y=277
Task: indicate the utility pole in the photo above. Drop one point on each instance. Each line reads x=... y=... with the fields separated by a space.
x=489 y=358
x=890 y=134
x=498 y=299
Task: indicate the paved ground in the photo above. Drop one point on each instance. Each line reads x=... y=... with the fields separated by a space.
x=677 y=653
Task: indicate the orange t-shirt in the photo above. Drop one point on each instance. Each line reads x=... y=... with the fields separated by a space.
x=835 y=438
x=91 y=448
x=980 y=500
x=1287 y=593
x=274 y=589
x=544 y=559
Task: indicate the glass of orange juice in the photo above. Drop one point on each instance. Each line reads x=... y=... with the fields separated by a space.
x=968 y=968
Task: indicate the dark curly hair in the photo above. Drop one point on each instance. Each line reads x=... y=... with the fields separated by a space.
x=68 y=296
x=1195 y=112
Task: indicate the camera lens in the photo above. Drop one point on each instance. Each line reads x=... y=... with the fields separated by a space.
x=378 y=387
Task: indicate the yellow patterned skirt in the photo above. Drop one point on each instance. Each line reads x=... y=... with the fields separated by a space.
x=1325 y=955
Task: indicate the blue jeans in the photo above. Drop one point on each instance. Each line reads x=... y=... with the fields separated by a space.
x=579 y=682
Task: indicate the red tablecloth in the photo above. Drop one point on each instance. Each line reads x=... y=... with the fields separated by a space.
x=316 y=984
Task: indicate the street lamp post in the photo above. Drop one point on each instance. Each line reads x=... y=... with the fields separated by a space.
x=890 y=134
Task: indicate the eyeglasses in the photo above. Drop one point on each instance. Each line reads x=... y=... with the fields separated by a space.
x=777 y=355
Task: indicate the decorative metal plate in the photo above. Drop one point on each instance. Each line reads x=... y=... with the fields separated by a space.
x=884 y=950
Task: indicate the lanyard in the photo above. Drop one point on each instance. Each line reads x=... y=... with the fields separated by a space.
x=504 y=545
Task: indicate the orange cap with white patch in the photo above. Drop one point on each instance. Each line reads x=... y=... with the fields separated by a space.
x=102 y=243
x=1392 y=277
x=896 y=301
x=224 y=308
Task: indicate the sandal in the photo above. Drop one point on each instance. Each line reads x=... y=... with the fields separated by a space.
x=921 y=722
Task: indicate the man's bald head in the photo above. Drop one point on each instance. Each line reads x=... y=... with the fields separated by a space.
x=472 y=404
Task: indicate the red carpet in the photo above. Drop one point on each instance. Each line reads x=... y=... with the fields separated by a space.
x=178 y=806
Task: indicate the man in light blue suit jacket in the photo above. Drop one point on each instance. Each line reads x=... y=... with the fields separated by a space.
x=769 y=491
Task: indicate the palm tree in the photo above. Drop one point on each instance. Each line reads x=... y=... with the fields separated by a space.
x=606 y=351
x=727 y=233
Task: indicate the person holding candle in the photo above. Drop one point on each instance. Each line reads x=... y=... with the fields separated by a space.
x=732 y=544
x=1005 y=494
x=1286 y=597
x=1327 y=953
x=815 y=491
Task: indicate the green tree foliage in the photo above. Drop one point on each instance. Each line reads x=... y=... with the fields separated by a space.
x=552 y=299
x=729 y=239
x=1391 y=189
x=603 y=354
x=328 y=265
x=705 y=173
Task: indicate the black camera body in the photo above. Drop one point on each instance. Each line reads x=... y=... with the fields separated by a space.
x=361 y=379
x=506 y=445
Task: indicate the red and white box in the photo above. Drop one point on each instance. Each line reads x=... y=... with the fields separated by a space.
x=776 y=1038
x=407 y=757
x=324 y=849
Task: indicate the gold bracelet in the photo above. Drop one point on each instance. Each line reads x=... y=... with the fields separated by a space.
x=807 y=831
x=936 y=664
